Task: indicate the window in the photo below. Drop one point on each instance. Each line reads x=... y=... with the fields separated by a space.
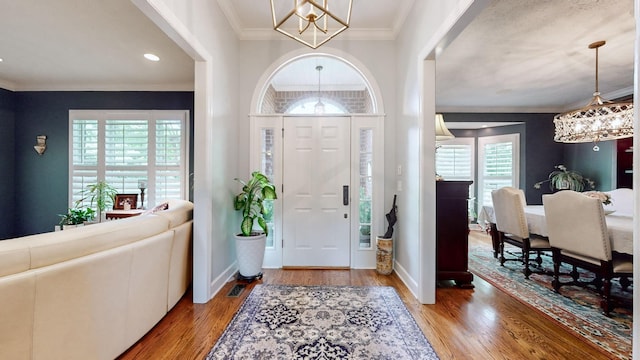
x=455 y=160
x=127 y=147
x=307 y=107
x=366 y=187
x=498 y=162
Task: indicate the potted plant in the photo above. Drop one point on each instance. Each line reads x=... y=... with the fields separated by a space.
x=250 y=244
x=563 y=179
x=101 y=193
x=75 y=217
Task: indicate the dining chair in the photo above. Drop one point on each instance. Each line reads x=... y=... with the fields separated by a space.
x=578 y=235
x=508 y=206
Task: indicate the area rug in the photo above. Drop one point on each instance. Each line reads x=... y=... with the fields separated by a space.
x=322 y=322
x=575 y=308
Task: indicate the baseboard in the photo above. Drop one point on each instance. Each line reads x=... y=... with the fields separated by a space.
x=219 y=282
x=408 y=281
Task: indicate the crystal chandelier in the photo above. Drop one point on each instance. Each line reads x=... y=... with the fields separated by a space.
x=600 y=120
x=310 y=21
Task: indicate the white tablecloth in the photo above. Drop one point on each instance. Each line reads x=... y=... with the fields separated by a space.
x=620 y=226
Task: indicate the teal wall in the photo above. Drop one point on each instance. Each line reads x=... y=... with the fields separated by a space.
x=596 y=165
x=7 y=164
x=40 y=182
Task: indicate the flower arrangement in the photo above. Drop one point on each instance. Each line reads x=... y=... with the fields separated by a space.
x=563 y=179
x=604 y=197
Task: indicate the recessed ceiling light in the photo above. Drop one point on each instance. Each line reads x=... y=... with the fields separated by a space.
x=485 y=125
x=151 y=57
x=1 y=59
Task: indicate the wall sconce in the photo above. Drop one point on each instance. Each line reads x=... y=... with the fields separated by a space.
x=41 y=144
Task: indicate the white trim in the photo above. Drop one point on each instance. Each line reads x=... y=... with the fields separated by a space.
x=165 y=19
x=514 y=139
x=359 y=67
x=272 y=256
x=427 y=185
x=366 y=258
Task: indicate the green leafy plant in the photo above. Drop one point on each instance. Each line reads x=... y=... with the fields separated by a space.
x=101 y=193
x=251 y=202
x=75 y=216
x=563 y=179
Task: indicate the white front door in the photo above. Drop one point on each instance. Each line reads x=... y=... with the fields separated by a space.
x=316 y=193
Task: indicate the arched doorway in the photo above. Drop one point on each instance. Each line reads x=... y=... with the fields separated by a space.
x=329 y=164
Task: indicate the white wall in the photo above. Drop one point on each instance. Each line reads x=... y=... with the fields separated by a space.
x=256 y=57
x=200 y=27
x=430 y=24
x=227 y=72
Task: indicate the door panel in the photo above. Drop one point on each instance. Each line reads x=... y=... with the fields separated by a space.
x=316 y=167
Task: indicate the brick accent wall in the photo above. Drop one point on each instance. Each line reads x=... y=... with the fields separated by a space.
x=353 y=102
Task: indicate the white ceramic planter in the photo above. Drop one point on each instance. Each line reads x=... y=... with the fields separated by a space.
x=250 y=254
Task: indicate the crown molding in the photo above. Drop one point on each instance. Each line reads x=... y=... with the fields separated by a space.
x=403 y=13
x=231 y=16
x=7 y=85
x=348 y=34
x=103 y=87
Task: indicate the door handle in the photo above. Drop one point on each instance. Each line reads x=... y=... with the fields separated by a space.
x=345 y=195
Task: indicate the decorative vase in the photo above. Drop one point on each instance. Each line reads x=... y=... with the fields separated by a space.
x=384 y=255
x=250 y=255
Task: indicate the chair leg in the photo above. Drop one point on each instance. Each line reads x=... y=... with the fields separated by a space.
x=502 y=259
x=539 y=258
x=624 y=283
x=605 y=303
x=556 y=271
x=575 y=274
x=525 y=259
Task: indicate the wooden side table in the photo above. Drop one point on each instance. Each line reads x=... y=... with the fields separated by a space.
x=121 y=214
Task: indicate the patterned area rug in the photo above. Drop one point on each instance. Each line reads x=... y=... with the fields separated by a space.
x=575 y=308
x=322 y=322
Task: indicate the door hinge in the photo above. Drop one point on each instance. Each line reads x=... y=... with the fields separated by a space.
x=282 y=188
x=282 y=242
x=283 y=132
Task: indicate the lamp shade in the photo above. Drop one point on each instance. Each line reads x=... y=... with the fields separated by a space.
x=442 y=133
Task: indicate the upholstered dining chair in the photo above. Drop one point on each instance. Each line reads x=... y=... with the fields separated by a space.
x=578 y=235
x=508 y=207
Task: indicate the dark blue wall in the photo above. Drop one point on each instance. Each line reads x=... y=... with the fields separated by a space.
x=538 y=152
x=41 y=181
x=7 y=164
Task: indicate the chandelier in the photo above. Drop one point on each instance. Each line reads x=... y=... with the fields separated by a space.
x=319 y=107
x=310 y=21
x=598 y=121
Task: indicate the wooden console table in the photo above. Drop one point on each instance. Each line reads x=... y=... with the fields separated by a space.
x=121 y=214
x=452 y=232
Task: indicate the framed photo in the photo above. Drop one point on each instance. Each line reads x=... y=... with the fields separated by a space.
x=125 y=202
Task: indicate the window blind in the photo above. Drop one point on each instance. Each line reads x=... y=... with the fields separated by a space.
x=124 y=148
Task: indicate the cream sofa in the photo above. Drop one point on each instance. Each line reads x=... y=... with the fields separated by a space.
x=93 y=291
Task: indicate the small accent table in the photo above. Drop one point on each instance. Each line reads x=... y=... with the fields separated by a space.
x=121 y=214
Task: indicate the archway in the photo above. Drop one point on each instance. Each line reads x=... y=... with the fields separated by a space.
x=277 y=132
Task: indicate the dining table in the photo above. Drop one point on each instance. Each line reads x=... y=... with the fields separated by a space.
x=620 y=227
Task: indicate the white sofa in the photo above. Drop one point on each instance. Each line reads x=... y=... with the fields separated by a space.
x=93 y=291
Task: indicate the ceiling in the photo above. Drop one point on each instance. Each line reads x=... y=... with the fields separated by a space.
x=517 y=55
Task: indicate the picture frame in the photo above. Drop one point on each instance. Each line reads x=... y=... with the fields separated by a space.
x=122 y=199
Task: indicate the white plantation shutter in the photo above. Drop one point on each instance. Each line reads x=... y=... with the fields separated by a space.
x=455 y=160
x=125 y=147
x=499 y=164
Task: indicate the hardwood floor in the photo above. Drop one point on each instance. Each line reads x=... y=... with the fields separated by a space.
x=480 y=323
